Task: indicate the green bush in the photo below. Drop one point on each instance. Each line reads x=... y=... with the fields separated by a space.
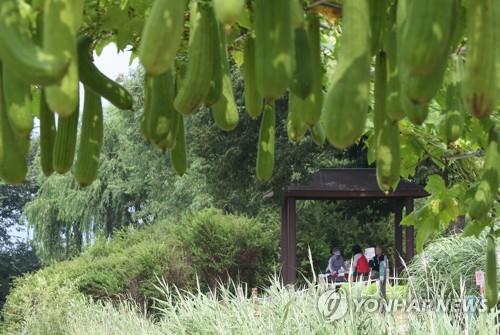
x=40 y=306
x=209 y=246
x=227 y=246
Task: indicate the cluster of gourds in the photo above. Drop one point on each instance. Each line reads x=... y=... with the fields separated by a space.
x=412 y=42
x=40 y=75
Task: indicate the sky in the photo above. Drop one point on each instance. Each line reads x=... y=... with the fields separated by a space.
x=112 y=63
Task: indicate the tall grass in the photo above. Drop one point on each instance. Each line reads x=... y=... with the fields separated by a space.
x=294 y=311
x=229 y=309
x=448 y=266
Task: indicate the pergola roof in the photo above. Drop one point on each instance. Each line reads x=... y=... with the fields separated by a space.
x=349 y=184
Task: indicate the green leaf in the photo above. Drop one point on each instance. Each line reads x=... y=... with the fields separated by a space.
x=448 y=210
x=238 y=57
x=475 y=227
x=35 y=101
x=115 y=19
x=370 y=144
x=435 y=185
x=478 y=132
x=457 y=191
x=426 y=224
x=409 y=220
x=133 y=56
x=409 y=156
x=435 y=114
x=123 y=4
x=244 y=20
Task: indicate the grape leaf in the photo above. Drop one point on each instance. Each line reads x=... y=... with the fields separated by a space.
x=409 y=156
x=475 y=227
x=370 y=145
x=238 y=57
x=435 y=185
x=244 y=20
x=425 y=222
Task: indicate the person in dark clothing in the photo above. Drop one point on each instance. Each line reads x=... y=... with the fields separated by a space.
x=379 y=257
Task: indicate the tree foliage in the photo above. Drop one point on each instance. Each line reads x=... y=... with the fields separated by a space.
x=17 y=256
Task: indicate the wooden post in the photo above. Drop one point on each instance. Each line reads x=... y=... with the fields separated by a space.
x=292 y=241
x=410 y=233
x=398 y=235
x=288 y=242
x=284 y=242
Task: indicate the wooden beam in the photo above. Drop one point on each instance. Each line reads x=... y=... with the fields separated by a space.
x=318 y=194
x=410 y=233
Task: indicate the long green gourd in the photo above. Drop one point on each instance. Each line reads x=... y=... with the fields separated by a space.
x=387 y=155
x=18 y=102
x=62 y=19
x=424 y=34
x=491 y=286
x=47 y=136
x=178 y=155
x=482 y=82
x=199 y=72
x=295 y=124
x=253 y=98
x=274 y=61
x=347 y=101
x=162 y=35
x=303 y=77
x=65 y=142
x=225 y=110
x=91 y=137
x=266 y=144
x=162 y=123
x=95 y=80
x=19 y=53
x=13 y=165
x=314 y=101
x=215 y=91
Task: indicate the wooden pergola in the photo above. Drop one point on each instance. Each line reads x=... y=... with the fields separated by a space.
x=345 y=184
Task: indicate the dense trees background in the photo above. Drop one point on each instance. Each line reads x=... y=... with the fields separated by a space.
x=17 y=255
